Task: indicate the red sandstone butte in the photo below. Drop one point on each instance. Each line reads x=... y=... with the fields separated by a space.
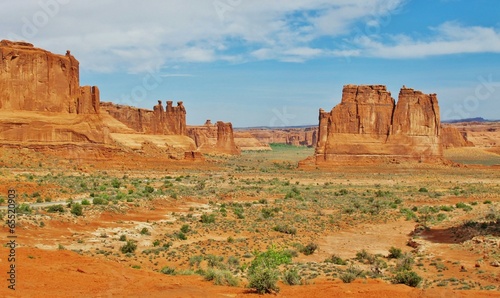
x=368 y=125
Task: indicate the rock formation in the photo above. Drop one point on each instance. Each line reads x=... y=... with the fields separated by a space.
x=33 y=79
x=451 y=137
x=291 y=136
x=218 y=138
x=369 y=125
x=159 y=121
x=43 y=106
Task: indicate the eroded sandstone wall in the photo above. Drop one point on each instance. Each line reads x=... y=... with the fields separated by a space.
x=33 y=79
x=159 y=121
x=368 y=124
x=218 y=138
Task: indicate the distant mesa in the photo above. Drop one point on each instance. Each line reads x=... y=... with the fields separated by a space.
x=42 y=105
x=369 y=126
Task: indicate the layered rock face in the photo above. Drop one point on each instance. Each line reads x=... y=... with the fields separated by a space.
x=369 y=125
x=41 y=100
x=290 y=136
x=159 y=121
x=33 y=79
x=42 y=105
x=218 y=138
x=451 y=137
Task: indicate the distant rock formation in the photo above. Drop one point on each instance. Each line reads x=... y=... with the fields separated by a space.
x=290 y=136
x=159 y=121
x=369 y=125
x=451 y=137
x=218 y=138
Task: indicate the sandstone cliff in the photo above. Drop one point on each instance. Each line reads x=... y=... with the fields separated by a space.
x=33 y=79
x=451 y=137
x=218 y=138
x=369 y=125
x=159 y=121
x=290 y=136
x=42 y=105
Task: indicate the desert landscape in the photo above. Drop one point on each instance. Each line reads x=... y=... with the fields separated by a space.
x=379 y=199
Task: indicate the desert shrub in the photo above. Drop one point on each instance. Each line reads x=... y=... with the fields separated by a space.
x=286 y=229
x=23 y=209
x=363 y=256
x=85 y=202
x=336 y=260
x=145 y=231
x=55 y=208
x=263 y=279
x=195 y=260
x=395 y=253
x=291 y=277
x=77 y=209
x=423 y=189
x=267 y=213
x=123 y=238
x=99 y=201
x=215 y=261
x=351 y=274
x=405 y=262
x=149 y=189
x=181 y=236
x=206 y=219
x=309 y=249
x=221 y=277
x=168 y=270
x=463 y=206
x=185 y=229
x=116 y=183
x=129 y=247
x=263 y=273
x=409 y=278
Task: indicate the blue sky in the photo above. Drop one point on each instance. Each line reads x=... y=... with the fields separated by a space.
x=271 y=63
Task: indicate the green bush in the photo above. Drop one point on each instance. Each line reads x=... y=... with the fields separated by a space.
x=77 y=209
x=408 y=278
x=185 y=229
x=309 y=249
x=85 y=202
x=168 y=270
x=351 y=274
x=123 y=238
x=286 y=229
x=263 y=273
x=221 y=277
x=336 y=260
x=129 y=247
x=99 y=201
x=206 y=219
x=55 y=208
x=291 y=277
x=263 y=279
x=23 y=209
x=395 y=253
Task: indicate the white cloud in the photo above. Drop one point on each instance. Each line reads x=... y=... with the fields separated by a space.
x=448 y=38
x=129 y=36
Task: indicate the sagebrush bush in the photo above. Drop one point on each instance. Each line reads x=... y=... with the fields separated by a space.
x=221 y=277
x=409 y=278
x=129 y=247
x=291 y=277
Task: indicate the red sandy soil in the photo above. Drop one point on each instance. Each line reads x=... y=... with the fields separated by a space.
x=67 y=274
